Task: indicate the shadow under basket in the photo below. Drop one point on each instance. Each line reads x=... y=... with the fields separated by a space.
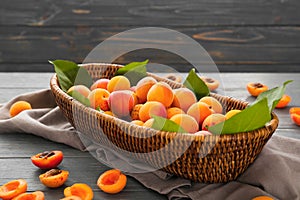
x=206 y=159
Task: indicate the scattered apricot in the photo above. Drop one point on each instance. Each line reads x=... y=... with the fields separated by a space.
x=295 y=115
x=112 y=181
x=284 y=101
x=47 y=159
x=37 y=195
x=173 y=77
x=73 y=197
x=12 y=189
x=118 y=83
x=231 y=113
x=256 y=88
x=54 y=178
x=199 y=111
x=99 y=99
x=18 y=107
x=187 y=122
x=262 y=198
x=211 y=83
x=142 y=88
x=183 y=98
x=100 y=83
x=85 y=91
x=212 y=120
x=152 y=108
x=213 y=104
x=173 y=111
x=161 y=92
x=81 y=190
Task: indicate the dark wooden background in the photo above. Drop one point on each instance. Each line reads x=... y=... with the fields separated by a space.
x=240 y=35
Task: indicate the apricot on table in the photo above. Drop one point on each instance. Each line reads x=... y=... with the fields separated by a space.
x=211 y=83
x=99 y=99
x=183 y=98
x=187 y=122
x=37 y=195
x=173 y=111
x=12 y=189
x=152 y=108
x=284 y=101
x=142 y=88
x=161 y=92
x=73 y=197
x=81 y=190
x=256 y=88
x=112 y=181
x=213 y=104
x=212 y=120
x=118 y=83
x=100 y=83
x=54 y=178
x=18 y=107
x=82 y=89
x=262 y=198
x=199 y=111
x=295 y=115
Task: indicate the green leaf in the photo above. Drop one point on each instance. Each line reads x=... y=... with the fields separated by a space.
x=194 y=83
x=164 y=124
x=251 y=118
x=69 y=74
x=273 y=95
x=134 y=71
x=79 y=97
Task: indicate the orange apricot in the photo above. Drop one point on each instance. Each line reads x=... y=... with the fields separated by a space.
x=211 y=83
x=138 y=122
x=262 y=198
x=173 y=111
x=18 y=107
x=183 y=98
x=149 y=123
x=12 y=189
x=82 y=89
x=174 y=77
x=213 y=104
x=112 y=181
x=212 y=119
x=135 y=112
x=284 y=101
x=121 y=102
x=100 y=83
x=73 y=197
x=81 y=190
x=256 y=88
x=295 y=115
x=231 y=113
x=118 y=83
x=108 y=113
x=152 y=108
x=187 y=122
x=199 y=111
x=161 y=92
x=37 y=195
x=142 y=88
x=54 y=178
x=99 y=99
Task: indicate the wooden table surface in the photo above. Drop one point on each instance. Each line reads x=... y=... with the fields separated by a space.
x=17 y=148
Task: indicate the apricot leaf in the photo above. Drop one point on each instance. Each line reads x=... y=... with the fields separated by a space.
x=194 y=83
x=69 y=74
x=164 y=124
x=79 y=97
x=134 y=71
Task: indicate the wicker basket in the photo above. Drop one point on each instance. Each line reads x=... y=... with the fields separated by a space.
x=230 y=155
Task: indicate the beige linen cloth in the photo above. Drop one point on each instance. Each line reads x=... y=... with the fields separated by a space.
x=275 y=173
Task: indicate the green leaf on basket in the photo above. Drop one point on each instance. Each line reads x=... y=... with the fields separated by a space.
x=69 y=74
x=79 y=97
x=251 y=118
x=163 y=124
x=194 y=83
x=273 y=95
x=134 y=71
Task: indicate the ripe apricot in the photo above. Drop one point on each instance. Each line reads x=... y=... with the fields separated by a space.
x=262 y=198
x=118 y=83
x=152 y=108
x=231 y=113
x=162 y=93
x=54 y=178
x=108 y=113
x=12 y=189
x=121 y=102
x=295 y=115
x=284 y=101
x=81 y=190
x=187 y=122
x=37 y=195
x=174 y=77
x=142 y=88
x=18 y=107
x=82 y=89
x=100 y=83
x=256 y=88
x=199 y=111
x=135 y=112
x=213 y=104
x=211 y=83
x=212 y=119
x=99 y=99
x=138 y=122
x=73 y=197
x=203 y=133
x=173 y=111
x=183 y=98
x=112 y=181
x=149 y=123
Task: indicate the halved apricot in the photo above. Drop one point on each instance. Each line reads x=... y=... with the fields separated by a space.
x=284 y=101
x=73 y=197
x=262 y=198
x=54 y=178
x=81 y=190
x=18 y=107
x=256 y=88
x=37 y=195
x=295 y=115
x=112 y=181
x=13 y=188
